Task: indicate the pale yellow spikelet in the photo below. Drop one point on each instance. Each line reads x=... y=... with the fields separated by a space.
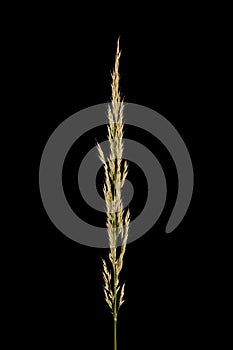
x=125 y=173
x=101 y=154
x=108 y=300
x=127 y=217
x=121 y=301
x=106 y=272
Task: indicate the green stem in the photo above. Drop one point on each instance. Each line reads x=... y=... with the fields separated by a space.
x=115 y=334
x=115 y=308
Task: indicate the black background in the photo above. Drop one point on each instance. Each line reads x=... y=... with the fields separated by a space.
x=164 y=66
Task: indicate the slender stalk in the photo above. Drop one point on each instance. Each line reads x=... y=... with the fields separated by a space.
x=115 y=334
x=115 y=313
x=117 y=220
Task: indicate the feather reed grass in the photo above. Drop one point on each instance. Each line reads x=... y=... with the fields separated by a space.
x=117 y=220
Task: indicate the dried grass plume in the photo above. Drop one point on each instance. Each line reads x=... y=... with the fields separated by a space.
x=115 y=175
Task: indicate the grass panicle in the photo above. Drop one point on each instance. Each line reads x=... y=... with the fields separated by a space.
x=117 y=219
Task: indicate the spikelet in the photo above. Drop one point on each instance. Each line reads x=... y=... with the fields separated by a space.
x=101 y=153
x=121 y=301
